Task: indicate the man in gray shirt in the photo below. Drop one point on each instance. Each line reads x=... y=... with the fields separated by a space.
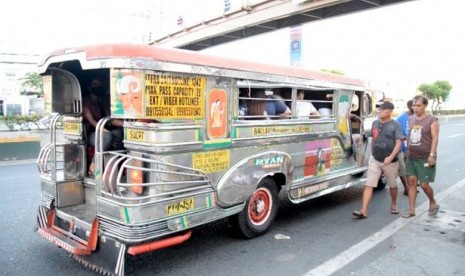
x=387 y=139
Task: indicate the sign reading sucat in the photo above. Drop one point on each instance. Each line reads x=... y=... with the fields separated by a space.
x=174 y=96
x=135 y=135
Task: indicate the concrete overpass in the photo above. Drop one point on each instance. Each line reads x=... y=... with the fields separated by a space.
x=255 y=17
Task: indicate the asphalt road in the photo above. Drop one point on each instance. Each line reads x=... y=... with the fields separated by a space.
x=303 y=236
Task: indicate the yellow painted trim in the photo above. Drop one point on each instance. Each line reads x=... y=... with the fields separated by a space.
x=20 y=139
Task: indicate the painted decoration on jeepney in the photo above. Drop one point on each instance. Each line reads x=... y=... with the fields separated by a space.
x=127 y=92
x=72 y=127
x=317 y=158
x=269 y=162
x=48 y=94
x=146 y=94
x=336 y=154
x=217 y=113
x=174 y=96
x=211 y=161
x=343 y=111
x=277 y=130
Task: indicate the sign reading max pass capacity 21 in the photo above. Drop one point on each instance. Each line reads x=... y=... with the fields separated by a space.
x=174 y=96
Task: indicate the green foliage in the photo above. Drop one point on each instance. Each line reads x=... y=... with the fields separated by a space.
x=32 y=82
x=437 y=92
x=9 y=120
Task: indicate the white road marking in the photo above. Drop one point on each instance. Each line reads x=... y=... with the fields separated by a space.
x=360 y=248
x=455 y=135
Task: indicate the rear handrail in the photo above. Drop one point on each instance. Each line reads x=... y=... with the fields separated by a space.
x=51 y=158
x=184 y=180
x=47 y=155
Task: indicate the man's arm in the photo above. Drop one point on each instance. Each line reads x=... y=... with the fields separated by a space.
x=89 y=117
x=394 y=153
x=282 y=109
x=434 y=143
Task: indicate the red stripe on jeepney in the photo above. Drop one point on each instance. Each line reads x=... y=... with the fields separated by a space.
x=107 y=51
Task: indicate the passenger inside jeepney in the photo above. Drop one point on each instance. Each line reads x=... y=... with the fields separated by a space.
x=304 y=107
x=94 y=99
x=267 y=108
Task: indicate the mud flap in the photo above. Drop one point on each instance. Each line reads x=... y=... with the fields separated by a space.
x=108 y=258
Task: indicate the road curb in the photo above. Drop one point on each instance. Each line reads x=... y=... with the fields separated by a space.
x=19 y=147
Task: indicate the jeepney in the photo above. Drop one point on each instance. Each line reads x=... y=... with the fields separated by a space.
x=191 y=156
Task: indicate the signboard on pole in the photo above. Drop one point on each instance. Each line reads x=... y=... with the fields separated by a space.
x=296 y=46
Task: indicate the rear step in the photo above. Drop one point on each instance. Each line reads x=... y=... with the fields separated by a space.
x=67 y=240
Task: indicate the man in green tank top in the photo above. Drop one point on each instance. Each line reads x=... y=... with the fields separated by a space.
x=421 y=154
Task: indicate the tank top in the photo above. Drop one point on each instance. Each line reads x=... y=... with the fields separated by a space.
x=420 y=138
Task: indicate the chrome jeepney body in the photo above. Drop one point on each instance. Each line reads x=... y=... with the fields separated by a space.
x=190 y=156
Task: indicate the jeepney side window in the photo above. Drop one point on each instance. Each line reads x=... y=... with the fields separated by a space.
x=312 y=104
x=243 y=103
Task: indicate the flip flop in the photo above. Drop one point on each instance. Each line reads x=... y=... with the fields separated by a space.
x=394 y=211
x=408 y=215
x=434 y=211
x=359 y=214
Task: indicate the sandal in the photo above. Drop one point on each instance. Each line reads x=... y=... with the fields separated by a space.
x=359 y=214
x=394 y=211
x=434 y=211
x=408 y=215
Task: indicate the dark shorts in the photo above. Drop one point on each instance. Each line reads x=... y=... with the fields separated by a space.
x=416 y=167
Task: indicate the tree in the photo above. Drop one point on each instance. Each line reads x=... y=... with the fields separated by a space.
x=437 y=92
x=32 y=82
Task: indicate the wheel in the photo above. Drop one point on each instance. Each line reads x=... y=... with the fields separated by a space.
x=259 y=212
x=382 y=182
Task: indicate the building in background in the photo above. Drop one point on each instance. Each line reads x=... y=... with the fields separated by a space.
x=13 y=67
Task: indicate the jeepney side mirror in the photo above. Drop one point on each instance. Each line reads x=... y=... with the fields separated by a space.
x=367 y=123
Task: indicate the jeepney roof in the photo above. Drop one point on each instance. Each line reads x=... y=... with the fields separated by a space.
x=136 y=57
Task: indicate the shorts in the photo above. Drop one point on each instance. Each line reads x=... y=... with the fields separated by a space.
x=402 y=169
x=416 y=167
x=375 y=169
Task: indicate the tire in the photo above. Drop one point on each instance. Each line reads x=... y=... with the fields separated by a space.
x=382 y=182
x=259 y=212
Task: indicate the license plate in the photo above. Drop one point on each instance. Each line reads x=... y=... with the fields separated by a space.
x=135 y=135
x=179 y=207
x=70 y=127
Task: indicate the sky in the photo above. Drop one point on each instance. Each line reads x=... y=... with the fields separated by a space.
x=392 y=48
x=41 y=26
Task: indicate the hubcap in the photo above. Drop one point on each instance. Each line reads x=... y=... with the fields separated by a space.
x=260 y=206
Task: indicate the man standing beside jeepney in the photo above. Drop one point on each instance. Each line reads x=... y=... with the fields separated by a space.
x=421 y=154
x=386 y=144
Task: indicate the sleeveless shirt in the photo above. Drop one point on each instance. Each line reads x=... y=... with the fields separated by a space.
x=420 y=138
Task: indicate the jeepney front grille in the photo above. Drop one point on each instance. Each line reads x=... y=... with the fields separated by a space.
x=133 y=233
